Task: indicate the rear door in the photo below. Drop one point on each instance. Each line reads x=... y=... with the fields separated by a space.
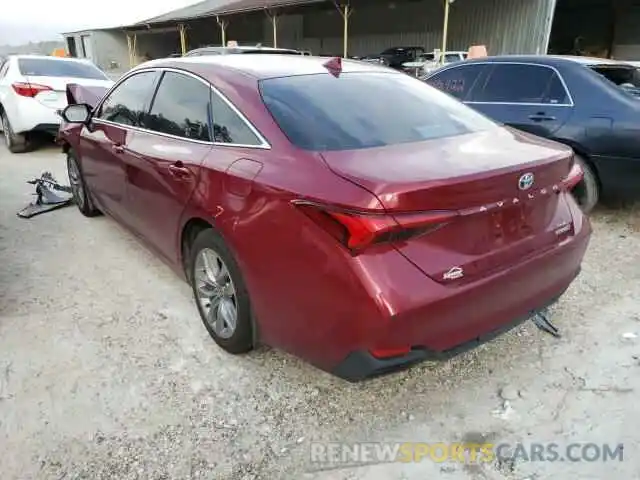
x=531 y=98
x=104 y=143
x=163 y=163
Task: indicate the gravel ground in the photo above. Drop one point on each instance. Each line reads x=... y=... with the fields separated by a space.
x=107 y=372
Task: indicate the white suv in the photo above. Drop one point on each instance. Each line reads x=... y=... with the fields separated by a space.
x=32 y=90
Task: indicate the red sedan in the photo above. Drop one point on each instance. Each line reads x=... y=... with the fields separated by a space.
x=341 y=211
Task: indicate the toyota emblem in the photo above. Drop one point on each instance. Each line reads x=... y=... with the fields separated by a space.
x=526 y=181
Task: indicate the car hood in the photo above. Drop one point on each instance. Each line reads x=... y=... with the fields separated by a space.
x=90 y=95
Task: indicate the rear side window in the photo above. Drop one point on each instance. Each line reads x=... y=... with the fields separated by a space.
x=128 y=102
x=49 y=67
x=457 y=81
x=517 y=83
x=228 y=126
x=181 y=108
x=364 y=110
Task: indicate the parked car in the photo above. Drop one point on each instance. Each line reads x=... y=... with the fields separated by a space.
x=362 y=236
x=586 y=103
x=33 y=89
x=206 y=51
x=394 y=57
x=429 y=62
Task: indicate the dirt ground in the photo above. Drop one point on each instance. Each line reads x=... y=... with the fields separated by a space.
x=106 y=371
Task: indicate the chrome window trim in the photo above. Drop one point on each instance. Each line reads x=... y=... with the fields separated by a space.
x=153 y=132
x=264 y=144
x=564 y=84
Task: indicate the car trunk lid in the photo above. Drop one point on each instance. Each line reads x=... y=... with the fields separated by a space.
x=501 y=188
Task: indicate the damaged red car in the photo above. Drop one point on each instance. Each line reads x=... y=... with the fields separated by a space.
x=341 y=211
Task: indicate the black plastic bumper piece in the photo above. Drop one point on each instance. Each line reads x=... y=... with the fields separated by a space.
x=50 y=128
x=361 y=365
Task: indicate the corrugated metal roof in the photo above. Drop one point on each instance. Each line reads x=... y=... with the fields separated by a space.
x=222 y=7
x=238 y=6
x=184 y=13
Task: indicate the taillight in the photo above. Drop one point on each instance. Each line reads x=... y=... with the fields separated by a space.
x=29 y=89
x=575 y=176
x=386 y=353
x=359 y=230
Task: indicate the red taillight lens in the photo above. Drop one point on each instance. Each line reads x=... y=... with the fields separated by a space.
x=29 y=89
x=384 y=353
x=575 y=176
x=359 y=230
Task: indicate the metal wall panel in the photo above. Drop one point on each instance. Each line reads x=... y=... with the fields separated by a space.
x=590 y=20
x=627 y=34
x=504 y=26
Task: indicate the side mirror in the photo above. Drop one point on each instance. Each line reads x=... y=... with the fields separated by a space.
x=78 y=113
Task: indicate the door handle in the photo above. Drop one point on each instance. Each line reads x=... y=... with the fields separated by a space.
x=541 y=117
x=178 y=169
x=117 y=148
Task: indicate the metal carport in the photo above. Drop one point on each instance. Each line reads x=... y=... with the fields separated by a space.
x=351 y=27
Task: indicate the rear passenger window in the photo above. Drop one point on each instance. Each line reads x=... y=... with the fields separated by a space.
x=516 y=83
x=556 y=93
x=181 y=108
x=228 y=126
x=457 y=81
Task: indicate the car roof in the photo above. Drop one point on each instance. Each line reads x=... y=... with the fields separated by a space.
x=267 y=66
x=552 y=60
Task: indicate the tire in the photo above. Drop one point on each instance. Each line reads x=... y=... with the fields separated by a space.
x=15 y=142
x=228 y=291
x=81 y=195
x=587 y=192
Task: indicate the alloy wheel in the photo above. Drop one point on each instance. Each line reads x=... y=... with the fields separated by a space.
x=216 y=293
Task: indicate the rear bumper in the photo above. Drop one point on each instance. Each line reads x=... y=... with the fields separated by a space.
x=31 y=115
x=50 y=128
x=446 y=321
x=361 y=365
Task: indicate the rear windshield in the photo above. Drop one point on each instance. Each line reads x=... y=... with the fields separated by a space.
x=621 y=76
x=45 y=67
x=277 y=52
x=364 y=110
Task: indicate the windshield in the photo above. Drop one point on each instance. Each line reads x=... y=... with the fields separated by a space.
x=49 y=67
x=364 y=110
